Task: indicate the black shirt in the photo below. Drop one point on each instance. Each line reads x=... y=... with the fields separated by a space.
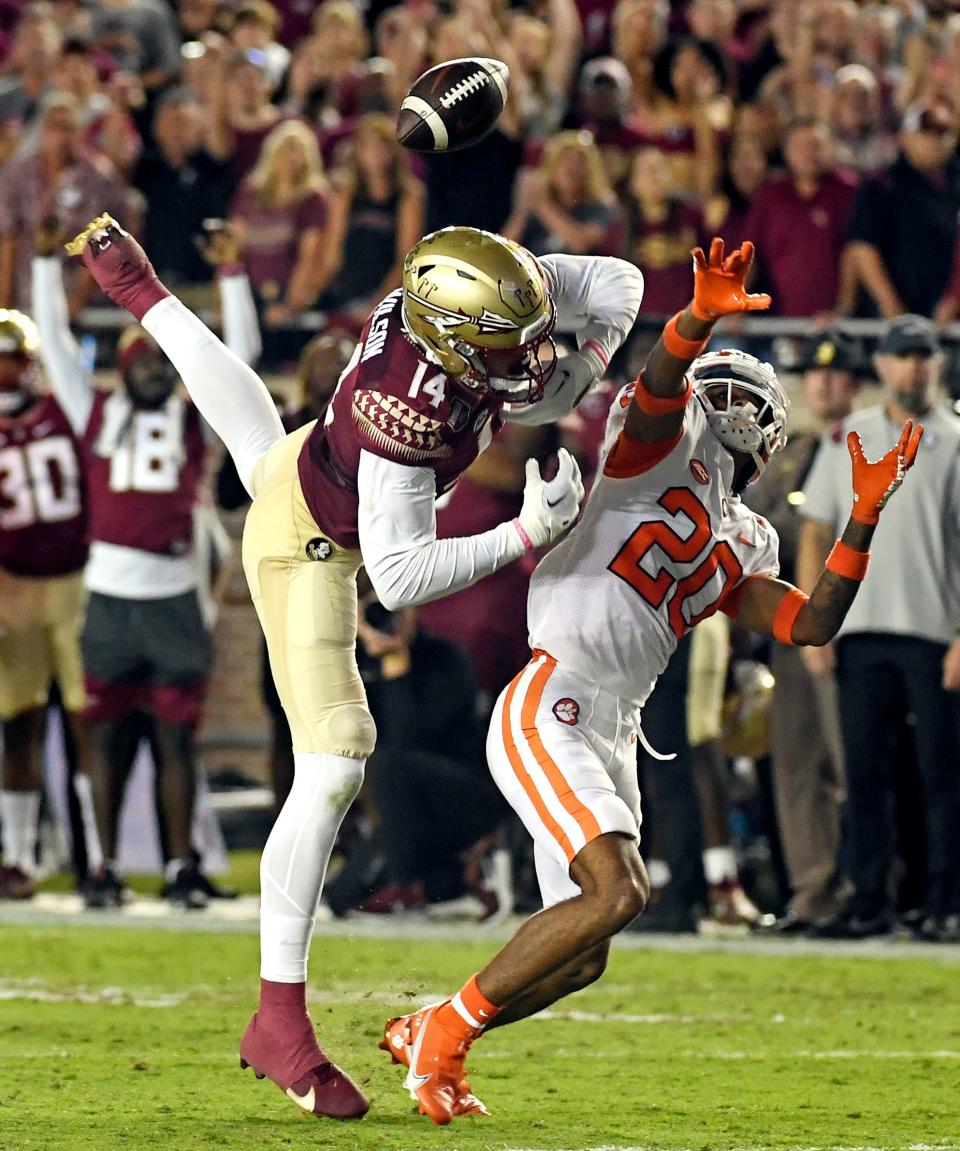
x=178 y=201
x=473 y=188
x=913 y=224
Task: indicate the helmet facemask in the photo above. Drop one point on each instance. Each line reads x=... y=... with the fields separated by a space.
x=745 y=405
x=518 y=375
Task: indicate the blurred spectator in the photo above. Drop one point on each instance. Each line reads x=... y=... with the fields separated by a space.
x=798 y=220
x=281 y=216
x=342 y=44
x=202 y=71
x=602 y=108
x=639 y=32
x=429 y=758
x=660 y=231
x=460 y=189
x=376 y=216
x=688 y=840
x=145 y=641
x=197 y=17
x=43 y=547
x=401 y=40
x=253 y=26
x=744 y=175
x=902 y=235
x=141 y=37
x=567 y=204
x=856 y=117
x=687 y=113
x=807 y=750
x=36 y=45
x=727 y=902
x=548 y=51
x=242 y=116
x=104 y=110
x=183 y=185
x=65 y=178
x=897 y=653
x=72 y=17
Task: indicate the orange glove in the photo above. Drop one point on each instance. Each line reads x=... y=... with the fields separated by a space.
x=874 y=484
x=718 y=283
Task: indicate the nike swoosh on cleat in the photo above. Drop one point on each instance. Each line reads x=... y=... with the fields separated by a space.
x=307 y=1102
x=413 y=1081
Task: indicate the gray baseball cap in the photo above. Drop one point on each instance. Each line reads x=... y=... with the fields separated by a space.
x=909 y=334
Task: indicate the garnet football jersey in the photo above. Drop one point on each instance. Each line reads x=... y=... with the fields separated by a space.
x=43 y=518
x=393 y=403
x=655 y=551
x=142 y=493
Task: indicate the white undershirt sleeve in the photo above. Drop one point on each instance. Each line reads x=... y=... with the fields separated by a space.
x=59 y=351
x=229 y=395
x=597 y=297
x=397 y=523
x=241 y=330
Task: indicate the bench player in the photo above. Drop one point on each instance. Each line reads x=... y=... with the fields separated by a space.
x=43 y=547
x=664 y=541
x=438 y=362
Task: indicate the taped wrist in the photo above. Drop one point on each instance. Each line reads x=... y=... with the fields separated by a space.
x=786 y=616
x=678 y=345
x=847 y=562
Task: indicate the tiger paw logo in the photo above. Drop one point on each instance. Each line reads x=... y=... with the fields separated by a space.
x=567 y=711
x=700 y=473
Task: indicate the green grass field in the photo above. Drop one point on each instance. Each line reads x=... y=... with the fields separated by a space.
x=126 y=1038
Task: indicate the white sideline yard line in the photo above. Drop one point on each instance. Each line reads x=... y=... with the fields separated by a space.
x=241 y=916
x=766 y=1147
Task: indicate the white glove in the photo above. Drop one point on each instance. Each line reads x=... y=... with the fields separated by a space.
x=550 y=508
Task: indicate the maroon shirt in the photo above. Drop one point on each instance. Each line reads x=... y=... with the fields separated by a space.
x=142 y=495
x=273 y=236
x=43 y=505
x=799 y=241
x=662 y=252
x=396 y=404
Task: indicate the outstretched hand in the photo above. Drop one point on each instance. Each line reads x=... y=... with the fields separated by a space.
x=119 y=265
x=875 y=483
x=719 y=287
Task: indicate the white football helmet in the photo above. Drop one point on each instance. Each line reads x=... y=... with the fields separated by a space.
x=745 y=404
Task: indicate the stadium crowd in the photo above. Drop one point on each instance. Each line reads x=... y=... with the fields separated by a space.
x=250 y=145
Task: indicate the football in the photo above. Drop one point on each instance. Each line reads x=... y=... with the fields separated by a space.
x=453 y=105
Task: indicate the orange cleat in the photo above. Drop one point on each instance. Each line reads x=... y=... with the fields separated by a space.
x=400 y=1037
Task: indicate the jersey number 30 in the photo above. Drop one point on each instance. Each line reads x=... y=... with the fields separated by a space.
x=39 y=483
x=679 y=550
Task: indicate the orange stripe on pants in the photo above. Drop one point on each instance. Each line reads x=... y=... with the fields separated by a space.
x=528 y=712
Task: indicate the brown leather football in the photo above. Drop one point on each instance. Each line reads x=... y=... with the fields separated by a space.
x=453 y=105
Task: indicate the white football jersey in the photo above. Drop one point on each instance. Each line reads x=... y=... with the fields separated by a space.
x=654 y=552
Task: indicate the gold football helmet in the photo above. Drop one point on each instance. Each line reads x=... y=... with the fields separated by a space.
x=19 y=348
x=18 y=334
x=478 y=305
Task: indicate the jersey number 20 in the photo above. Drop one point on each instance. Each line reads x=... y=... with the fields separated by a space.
x=680 y=550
